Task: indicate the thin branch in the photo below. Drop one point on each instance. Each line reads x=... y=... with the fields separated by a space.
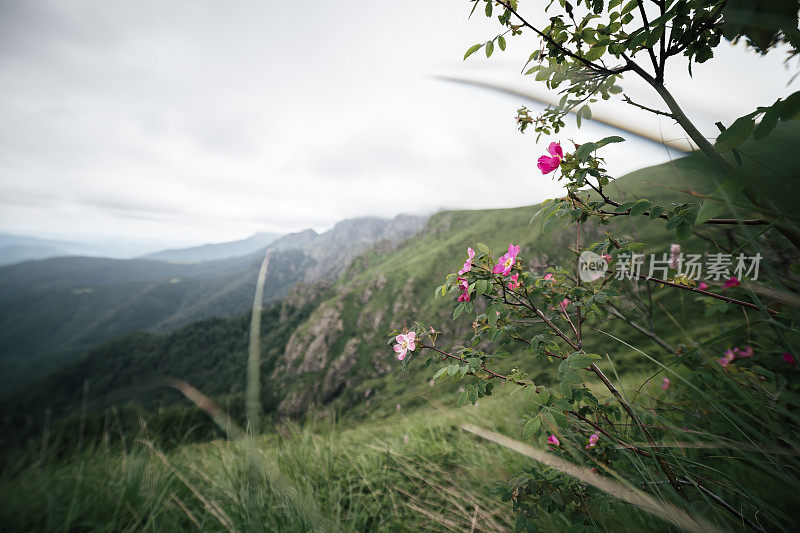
x=717 y=221
x=655 y=338
x=707 y=293
x=646 y=28
x=627 y=100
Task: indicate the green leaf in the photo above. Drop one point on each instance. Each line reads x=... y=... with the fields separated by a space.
x=601 y=297
x=483 y=248
x=572 y=376
x=458 y=310
x=639 y=40
x=586 y=112
x=640 y=207
x=488 y=9
x=489 y=48
x=595 y=52
x=683 y=231
x=674 y=222
x=472 y=50
x=768 y=123
x=629 y=7
x=439 y=373
x=790 y=108
x=579 y=360
x=654 y=36
x=560 y=418
x=734 y=136
x=473 y=395
x=501 y=42
x=656 y=212
x=531 y=427
x=621 y=208
x=462 y=399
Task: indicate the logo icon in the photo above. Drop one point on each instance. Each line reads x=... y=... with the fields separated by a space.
x=591 y=266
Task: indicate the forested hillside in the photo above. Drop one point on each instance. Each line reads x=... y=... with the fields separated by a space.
x=81 y=302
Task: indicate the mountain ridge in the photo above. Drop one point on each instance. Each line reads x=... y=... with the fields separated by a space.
x=85 y=301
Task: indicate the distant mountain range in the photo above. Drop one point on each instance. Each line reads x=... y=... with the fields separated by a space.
x=211 y=252
x=55 y=309
x=15 y=249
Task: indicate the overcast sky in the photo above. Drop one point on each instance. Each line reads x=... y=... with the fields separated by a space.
x=184 y=122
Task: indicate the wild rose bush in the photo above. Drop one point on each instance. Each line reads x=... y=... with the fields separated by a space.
x=718 y=435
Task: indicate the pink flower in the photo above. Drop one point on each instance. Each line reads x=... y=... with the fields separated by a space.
x=514 y=284
x=665 y=384
x=726 y=359
x=468 y=263
x=607 y=258
x=552 y=439
x=675 y=256
x=789 y=358
x=505 y=263
x=405 y=343
x=464 y=284
x=548 y=164
x=703 y=286
x=548 y=277
x=564 y=304
x=733 y=281
x=747 y=351
x=593 y=438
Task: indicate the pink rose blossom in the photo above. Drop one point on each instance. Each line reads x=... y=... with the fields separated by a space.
x=747 y=351
x=552 y=439
x=703 y=286
x=548 y=277
x=505 y=263
x=593 y=438
x=564 y=304
x=514 y=284
x=468 y=263
x=726 y=359
x=405 y=343
x=549 y=164
x=789 y=358
x=733 y=281
x=675 y=256
x=607 y=258
x=665 y=384
x=464 y=285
